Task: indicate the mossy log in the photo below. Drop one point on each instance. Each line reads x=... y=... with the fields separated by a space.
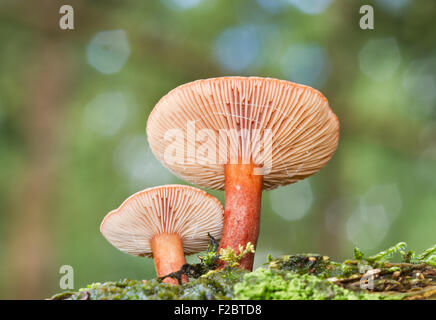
x=303 y=276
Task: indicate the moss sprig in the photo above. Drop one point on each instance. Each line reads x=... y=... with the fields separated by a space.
x=231 y=258
x=388 y=253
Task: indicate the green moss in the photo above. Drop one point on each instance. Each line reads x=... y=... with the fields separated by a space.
x=217 y=285
x=267 y=284
x=301 y=276
x=314 y=264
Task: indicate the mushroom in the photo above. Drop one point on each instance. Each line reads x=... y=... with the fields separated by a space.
x=274 y=133
x=165 y=223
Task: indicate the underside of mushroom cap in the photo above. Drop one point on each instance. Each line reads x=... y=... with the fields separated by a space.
x=186 y=211
x=285 y=129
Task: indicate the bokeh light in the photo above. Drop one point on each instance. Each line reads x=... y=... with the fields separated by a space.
x=306 y=63
x=236 y=48
x=106 y=113
x=134 y=160
x=292 y=202
x=379 y=58
x=108 y=51
x=393 y=6
x=425 y=168
x=386 y=195
x=376 y=211
x=368 y=226
x=182 y=4
x=311 y=7
x=273 y=6
x=419 y=82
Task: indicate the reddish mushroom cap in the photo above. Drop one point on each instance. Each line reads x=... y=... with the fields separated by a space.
x=303 y=131
x=186 y=211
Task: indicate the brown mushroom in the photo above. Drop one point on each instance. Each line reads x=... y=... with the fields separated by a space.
x=166 y=223
x=296 y=132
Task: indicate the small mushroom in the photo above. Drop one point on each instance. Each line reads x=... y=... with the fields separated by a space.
x=165 y=223
x=300 y=135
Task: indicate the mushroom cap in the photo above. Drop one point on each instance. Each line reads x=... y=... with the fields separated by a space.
x=297 y=133
x=186 y=211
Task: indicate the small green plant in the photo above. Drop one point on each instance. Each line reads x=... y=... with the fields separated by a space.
x=231 y=258
x=358 y=254
x=408 y=256
x=210 y=258
x=428 y=256
x=388 y=253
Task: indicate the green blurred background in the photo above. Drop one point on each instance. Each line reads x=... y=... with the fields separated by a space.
x=74 y=104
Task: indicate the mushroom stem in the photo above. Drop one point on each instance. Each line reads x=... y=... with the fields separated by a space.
x=243 y=193
x=168 y=255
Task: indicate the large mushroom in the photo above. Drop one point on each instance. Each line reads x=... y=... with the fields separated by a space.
x=166 y=223
x=243 y=135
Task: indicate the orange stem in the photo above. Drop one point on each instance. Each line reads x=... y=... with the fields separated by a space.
x=168 y=256
x=243 y=194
